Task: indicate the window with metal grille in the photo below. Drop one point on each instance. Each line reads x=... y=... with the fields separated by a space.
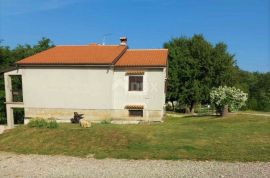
x=135 y=83
x=135 y=113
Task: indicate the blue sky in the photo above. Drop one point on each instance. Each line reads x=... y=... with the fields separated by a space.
x=244 y=25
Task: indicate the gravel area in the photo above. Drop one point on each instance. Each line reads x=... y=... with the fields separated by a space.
x=14 y=165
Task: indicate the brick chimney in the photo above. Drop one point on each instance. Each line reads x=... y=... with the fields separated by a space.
x=123 y=40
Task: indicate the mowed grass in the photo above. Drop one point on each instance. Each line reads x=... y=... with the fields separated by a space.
x=235 y=138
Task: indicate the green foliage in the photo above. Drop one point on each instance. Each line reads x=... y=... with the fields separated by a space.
x=18 y=115
x=196 y=66
x=53 y=124
x=230 y=96
x=16 y=81
x=3 y=120
x=260 y=93
x=257 y=85
x=2 y=105
x=42 y=123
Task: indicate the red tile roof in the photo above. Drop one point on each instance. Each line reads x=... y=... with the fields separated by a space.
x=95 y=54
x=143 y=57
x=89 y=54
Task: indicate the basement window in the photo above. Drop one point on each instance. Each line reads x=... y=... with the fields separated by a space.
x=135 y=83
x=135 y=113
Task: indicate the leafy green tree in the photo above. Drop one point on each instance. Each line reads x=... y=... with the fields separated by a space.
x=196 y=66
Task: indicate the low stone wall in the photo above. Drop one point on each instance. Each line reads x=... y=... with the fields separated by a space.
x=65 y=115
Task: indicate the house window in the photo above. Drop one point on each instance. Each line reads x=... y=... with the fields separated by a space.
x=135 y=113
x=135 y=83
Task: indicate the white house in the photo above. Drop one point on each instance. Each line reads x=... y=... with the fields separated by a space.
x=103 y=82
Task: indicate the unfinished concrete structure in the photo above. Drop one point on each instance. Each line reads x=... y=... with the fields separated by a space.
x=103 y=82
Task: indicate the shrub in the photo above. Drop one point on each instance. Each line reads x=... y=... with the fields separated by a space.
x=52 y=124
x=42 y=123
x=230 y=97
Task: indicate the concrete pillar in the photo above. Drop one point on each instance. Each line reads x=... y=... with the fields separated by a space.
x=10 y=117
x=8 y=88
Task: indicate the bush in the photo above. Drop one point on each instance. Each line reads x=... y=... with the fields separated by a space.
x=42 y=123
x=229 y=97
x=52 y=124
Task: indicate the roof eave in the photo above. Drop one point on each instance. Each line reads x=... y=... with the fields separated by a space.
x=58 y=64
x=8 y=69
x=141 y=66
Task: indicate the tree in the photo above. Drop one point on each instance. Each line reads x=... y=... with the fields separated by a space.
x=257 y=85
x=260 y=92
x=196 y=66
x=227 y=99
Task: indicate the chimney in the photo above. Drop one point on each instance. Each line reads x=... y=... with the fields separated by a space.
x=123 y=40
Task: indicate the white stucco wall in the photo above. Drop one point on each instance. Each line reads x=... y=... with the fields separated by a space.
x=90 y=88
x=99 y=93
x=75 y=88
x=152 y=96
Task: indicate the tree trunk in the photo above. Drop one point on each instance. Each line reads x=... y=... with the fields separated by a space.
x=192 y=106
x=187 y=111
x=173 y=106
x=224 y=111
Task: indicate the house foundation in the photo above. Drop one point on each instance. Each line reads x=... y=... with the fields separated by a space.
x=64 y=115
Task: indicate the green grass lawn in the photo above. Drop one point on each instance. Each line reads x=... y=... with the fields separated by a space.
x=255 y=112
x=235 y=138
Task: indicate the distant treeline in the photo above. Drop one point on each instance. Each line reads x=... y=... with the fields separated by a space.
x=257 y=85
